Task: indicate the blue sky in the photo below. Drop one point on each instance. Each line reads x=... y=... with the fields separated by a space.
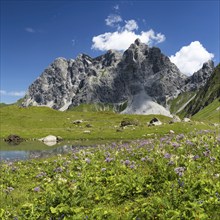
x=34 y=33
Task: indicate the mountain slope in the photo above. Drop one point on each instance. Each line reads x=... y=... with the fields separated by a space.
x=115 y=78
x=206 y=95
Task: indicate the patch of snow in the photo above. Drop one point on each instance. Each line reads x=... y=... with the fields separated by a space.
x=142 y=104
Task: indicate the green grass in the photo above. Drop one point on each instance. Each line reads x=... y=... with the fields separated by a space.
x=206 y=95
x=178 y=102
x=174 y=177
x=38 y=122
x=209 y=113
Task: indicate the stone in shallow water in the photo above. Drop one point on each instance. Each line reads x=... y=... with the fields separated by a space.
x=50 y=140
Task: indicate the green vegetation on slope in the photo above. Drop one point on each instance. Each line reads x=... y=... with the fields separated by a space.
x=177 y=103
x=37 y=122
x=210 y=113
x=99 y=107
x=175 y=177
x=206 y=95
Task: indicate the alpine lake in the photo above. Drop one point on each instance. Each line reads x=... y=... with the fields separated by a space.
x=36 y=149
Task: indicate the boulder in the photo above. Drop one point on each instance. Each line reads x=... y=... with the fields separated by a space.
x=14 y=139
x=127 y=122
x=175 y=119
x=186 y=120
x=172 y=132
x=155 y=122
x=77 y=122
x=50 y=139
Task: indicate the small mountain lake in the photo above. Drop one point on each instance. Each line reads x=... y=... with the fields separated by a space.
x=36 y=149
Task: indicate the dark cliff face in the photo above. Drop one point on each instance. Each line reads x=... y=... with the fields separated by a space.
x=200 y=78
x=206 y=94
x=112 y=78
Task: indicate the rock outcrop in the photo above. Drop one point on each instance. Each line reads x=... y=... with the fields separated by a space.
x=142 y=78
x=200 y=78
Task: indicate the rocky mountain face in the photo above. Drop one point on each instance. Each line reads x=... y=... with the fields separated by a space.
x=206 y=94
x=142 y=78
x=200 y=78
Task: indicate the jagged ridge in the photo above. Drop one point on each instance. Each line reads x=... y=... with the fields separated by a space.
x=114 y=78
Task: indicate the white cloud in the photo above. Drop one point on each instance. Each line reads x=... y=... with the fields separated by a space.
x=113 y=20
x=30 y=30
x=131 y=25
x=121 y=40
x=12 y=93
x=116 y=7
x=2 y=92
x=73 y=42
x=190 y=59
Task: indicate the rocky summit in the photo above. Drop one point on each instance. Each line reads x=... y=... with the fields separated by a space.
x=142 y=79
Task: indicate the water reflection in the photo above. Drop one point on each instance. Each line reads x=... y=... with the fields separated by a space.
x=31 y=154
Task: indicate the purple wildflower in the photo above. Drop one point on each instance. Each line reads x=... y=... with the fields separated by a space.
x=127 y=162
x=143 y=159
x=108 y=159
x=196 y=157
x=58 y=170
x=132 y=166
x=181 y=183
x=218 y=139
x=103 y=169
x=41 y=174
x=179 y=170
x=212 y=159
x=180 y=137
x=207 y=153
x=188 y=142
x=9 y=189
x=171 y=163
x=37 y=189
x=175 y=144
x=162 y=139
x=167 y=156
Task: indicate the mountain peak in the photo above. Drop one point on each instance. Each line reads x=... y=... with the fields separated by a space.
x=137 y=41
x=141 y=71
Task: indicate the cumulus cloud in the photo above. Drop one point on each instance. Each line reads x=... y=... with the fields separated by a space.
x=190 y=59
x=12 y=93
x=124 y=36
x=113 y=20
x=30 y=30
x=131 y=25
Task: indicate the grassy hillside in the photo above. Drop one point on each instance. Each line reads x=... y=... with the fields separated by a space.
x=206 y=95
x=210 y=113
x=179 y=102
x=37 y=122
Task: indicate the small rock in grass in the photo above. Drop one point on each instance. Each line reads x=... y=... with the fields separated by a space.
x=186 y=120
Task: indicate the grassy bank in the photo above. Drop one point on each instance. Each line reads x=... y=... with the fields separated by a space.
x=37 y=122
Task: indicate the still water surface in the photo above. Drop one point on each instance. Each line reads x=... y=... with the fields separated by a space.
x=35 y=149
